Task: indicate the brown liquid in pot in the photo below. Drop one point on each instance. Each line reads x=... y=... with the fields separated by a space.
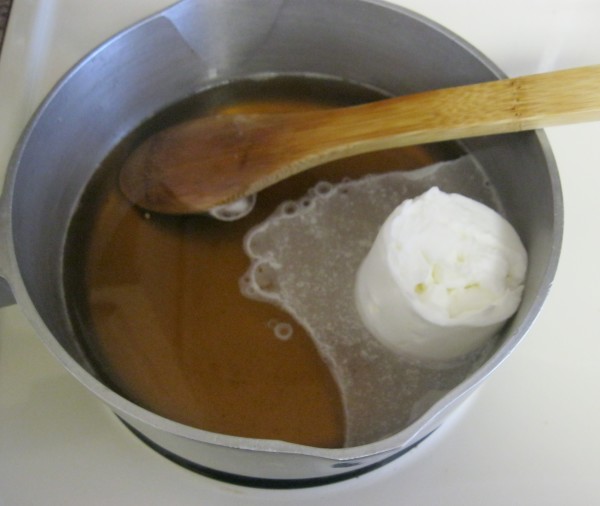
x=157 y=302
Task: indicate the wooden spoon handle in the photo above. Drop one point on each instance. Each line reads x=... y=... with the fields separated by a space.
x=197 y=165
x=510 y=105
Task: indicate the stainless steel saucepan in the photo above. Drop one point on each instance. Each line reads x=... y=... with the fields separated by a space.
x=170 y=56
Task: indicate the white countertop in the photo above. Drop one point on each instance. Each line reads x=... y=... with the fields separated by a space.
x=531 y=433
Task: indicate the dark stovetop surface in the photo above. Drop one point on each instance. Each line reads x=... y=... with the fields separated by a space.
x=4 y=10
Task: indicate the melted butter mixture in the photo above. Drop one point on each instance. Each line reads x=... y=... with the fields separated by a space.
x=157 y=303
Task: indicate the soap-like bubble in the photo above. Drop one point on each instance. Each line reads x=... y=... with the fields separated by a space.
x=282 y=330
x=304 y=259
x=234 y=210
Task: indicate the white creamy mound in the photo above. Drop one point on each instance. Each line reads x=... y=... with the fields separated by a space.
x=304 y=259
x=443 y=275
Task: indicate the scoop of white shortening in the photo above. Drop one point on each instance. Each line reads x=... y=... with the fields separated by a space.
x=442 y=276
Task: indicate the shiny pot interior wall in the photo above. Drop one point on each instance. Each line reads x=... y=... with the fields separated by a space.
x=114 y=90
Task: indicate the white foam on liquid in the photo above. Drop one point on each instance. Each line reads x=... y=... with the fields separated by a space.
x=304 y=259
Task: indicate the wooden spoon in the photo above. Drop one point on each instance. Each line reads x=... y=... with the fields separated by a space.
x=199 y=164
